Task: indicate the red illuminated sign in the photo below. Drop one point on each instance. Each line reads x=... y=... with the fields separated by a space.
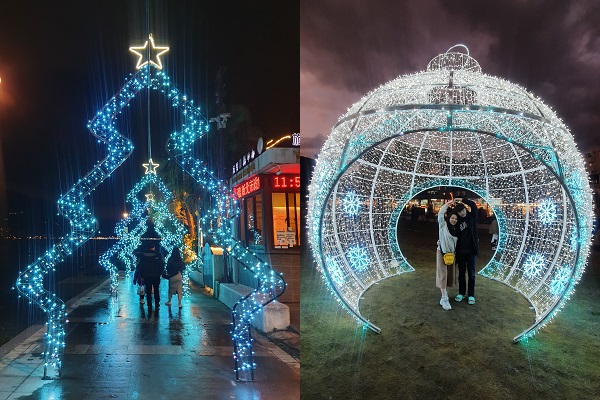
x=285 y=181
x=245 y=188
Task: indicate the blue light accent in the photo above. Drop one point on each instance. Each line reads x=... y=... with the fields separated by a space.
x=547 y=211
x=351 y=204
x=337 y=275
x=560 y=280
x=359 y=258
x=217 y=223
x=573 y=240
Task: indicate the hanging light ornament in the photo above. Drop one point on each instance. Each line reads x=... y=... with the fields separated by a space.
x=452 y=125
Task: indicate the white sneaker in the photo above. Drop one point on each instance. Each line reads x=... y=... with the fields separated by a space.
x=445 y=303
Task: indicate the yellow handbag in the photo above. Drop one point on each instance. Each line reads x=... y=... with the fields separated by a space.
x=449 y=258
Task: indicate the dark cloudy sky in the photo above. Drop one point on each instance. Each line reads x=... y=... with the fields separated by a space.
x=61 y=61
x=349 y=47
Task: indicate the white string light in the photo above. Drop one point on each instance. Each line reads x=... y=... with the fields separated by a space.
x=452 y=125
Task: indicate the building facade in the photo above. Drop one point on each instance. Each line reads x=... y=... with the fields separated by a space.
x=267 y=185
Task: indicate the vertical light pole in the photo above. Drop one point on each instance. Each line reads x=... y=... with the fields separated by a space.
x=221 y=121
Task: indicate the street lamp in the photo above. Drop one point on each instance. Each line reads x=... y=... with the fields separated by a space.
x=221 y=121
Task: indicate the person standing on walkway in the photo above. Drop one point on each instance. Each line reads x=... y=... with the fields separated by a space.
x=467 y=248
x=151 y=267
x=175 y=267
x=448 y=236
x=139 y=281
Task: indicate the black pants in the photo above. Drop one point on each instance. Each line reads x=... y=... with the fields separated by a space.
x=152 y=282
x=466 y=262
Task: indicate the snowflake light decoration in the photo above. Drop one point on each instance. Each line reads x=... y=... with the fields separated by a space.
x=573 y=240
x=534 y=265
x=337 y=275
x=547 y=211
x=452 y=125
x=351 y=204
x=359 y=258
x=560 y=280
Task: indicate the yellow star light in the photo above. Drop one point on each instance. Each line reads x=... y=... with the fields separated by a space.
x=141 y=51
x=150 y=196
x=150 y=167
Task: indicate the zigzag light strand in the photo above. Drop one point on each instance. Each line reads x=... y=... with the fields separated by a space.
x=73 y=207
x=171 y=231
x=82 y=223
x=130 y=239
x=124 y=249
x=217 y=223
x=169 y=228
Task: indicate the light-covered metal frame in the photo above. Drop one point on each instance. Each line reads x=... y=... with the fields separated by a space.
x=452 y=125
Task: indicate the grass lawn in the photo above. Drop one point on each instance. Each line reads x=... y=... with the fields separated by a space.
x=425 y=352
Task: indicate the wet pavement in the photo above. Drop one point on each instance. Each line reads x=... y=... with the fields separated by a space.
x=117 y=349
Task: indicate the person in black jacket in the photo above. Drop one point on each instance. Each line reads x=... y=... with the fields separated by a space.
x=151 y=266
x=467 y=248
x=174 y=268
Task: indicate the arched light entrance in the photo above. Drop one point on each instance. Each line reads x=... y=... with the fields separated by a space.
x=412 y=232
x=452 y=126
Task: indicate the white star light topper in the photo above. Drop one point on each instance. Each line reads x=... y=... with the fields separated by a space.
x=142 y=51
x=150 y=167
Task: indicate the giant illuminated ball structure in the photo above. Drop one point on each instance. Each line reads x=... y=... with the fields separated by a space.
x=452 y=125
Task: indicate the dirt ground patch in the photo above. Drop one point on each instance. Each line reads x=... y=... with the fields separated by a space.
x=425 y=352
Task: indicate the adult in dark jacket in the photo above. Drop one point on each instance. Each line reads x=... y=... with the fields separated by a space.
x=467 y=248
x=175 y=267
x=151 y=266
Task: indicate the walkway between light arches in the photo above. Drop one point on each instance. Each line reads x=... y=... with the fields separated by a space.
x=116 y=349
x=393 y=300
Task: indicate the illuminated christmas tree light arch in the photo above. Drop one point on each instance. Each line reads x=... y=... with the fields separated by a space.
x=131 y=228
x=218 y=221
x=452 y=125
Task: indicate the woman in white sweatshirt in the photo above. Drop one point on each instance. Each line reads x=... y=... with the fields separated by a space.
x=448 y=236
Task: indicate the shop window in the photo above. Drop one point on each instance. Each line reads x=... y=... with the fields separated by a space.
x=286 y=220
x=253 y=220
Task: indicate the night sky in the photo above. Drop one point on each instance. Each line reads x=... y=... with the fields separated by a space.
x=348 y=48
x=60 y=62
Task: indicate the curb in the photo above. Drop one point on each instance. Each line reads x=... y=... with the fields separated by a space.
x=34 y=330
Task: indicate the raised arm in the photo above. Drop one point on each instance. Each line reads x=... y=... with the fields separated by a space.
x=473 y=206
x=442 y=212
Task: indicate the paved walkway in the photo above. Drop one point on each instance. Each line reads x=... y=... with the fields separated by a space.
x=115 y=349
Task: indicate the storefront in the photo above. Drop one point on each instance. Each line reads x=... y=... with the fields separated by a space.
x=268 y=189
x=427 y=203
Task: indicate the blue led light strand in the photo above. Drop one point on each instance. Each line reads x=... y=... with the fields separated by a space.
x=82 y=223
x=217 y=223
x=129 y=240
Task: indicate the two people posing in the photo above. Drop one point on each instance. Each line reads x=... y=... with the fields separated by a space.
x=458 y=236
